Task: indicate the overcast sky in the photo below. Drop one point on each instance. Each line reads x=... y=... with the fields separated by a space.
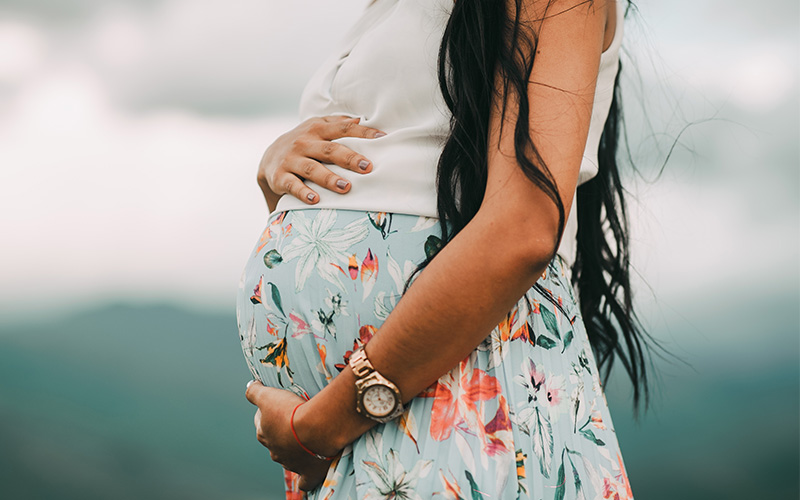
x=130 y=133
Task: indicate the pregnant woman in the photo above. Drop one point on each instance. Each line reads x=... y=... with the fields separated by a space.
x=408 y=314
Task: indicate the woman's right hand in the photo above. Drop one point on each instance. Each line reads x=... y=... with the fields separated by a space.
x=299 y=154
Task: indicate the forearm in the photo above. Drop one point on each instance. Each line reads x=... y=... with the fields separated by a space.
x=453 y=304
x=482 y=273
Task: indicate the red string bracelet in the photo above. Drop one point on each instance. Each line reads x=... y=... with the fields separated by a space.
x=291 y=424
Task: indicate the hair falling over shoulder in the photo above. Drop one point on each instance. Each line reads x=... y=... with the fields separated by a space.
x=484 y=38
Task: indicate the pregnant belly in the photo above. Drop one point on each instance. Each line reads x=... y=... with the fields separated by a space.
x=318 y=284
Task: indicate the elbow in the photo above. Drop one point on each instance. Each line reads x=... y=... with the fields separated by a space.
x=527 y=232
x=529 y=245
x=537 y=240
x=538 y=252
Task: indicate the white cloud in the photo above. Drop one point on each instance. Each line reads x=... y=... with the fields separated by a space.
x=765 y=76
x=22 y=52
x=118 y=38
x=162 y=204
x=719 y=52
x=100 y=200
x=695 y=237
x=244 y=57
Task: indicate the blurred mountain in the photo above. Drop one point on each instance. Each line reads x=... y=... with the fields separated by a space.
x=129 y=402
x=134 y=402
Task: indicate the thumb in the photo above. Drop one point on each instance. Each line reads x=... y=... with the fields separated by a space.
x=253 y=391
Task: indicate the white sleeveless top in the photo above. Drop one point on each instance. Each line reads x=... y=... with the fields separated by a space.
x=385 y=71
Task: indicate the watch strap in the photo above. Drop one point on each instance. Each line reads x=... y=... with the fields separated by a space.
x=360 y=364
x=366 y=376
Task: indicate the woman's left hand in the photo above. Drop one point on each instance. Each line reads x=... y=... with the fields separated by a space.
x=273 y=430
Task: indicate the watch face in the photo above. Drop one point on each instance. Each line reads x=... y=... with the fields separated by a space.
x=379 y=400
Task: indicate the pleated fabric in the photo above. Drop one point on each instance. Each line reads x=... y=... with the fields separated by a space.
x=523 y=416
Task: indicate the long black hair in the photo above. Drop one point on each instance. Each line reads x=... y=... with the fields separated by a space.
x=485 y=38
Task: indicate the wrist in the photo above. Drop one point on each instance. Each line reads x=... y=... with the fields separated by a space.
x=377 y=397
x=328 y=422
x=312 y=433
x=300 y=441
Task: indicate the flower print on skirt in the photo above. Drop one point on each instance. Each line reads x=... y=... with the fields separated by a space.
x=523 y=416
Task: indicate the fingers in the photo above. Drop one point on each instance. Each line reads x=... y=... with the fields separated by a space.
x=261 y=436
x=310 y=479
x=322 y=176
x=344 y=127
x=271 y=398
x=301 y=154
x=253 y=391
x=337 y=154
x=291 y=184
x=305 y=485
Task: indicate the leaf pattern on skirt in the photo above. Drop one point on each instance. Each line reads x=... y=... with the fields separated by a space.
x=522 y=416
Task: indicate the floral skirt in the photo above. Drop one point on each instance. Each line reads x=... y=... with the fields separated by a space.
x=523 y=416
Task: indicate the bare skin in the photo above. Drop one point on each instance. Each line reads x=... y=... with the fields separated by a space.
x=299 y=153
x=453 y=305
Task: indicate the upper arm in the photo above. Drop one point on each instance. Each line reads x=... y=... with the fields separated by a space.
x=561 y=94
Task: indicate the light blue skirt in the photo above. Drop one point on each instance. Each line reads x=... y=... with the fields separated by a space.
x=523 y=416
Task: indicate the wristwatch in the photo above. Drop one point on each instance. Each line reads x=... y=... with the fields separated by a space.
x=377 y=397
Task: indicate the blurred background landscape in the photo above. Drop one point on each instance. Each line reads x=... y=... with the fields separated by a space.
x=130 y=133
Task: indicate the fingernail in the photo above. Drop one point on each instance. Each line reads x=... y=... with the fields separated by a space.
x=341 y=183
x=310 y=197
x=379 y=134
x=363 y=164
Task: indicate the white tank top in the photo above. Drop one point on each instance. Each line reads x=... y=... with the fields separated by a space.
x=385 y=71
